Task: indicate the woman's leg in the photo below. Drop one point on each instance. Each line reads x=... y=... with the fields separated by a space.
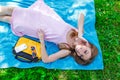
x=6 y=10
x=5 y=19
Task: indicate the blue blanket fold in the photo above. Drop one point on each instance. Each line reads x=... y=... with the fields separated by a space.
x=68 y=10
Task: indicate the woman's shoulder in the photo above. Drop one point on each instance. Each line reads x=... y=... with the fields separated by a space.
x=64 y=46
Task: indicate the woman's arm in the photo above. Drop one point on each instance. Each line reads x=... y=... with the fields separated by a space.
x=80 y=25
x=53 y=57
x=81 y=29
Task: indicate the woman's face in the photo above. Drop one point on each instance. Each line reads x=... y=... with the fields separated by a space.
x=82 y=48
x=83 y=51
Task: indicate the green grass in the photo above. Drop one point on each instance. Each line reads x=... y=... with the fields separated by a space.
x=107 y=27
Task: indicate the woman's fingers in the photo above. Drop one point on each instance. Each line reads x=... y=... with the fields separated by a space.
x=5 y=19
x=40 y=34
x=83 y=39
x=80 y=40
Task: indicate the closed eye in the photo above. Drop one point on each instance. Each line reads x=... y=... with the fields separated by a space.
x=81 y=56
x=85 y=51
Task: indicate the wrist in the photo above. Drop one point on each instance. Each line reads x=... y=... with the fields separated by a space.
x=80 y=34
x=41 y=38
x=42 y=41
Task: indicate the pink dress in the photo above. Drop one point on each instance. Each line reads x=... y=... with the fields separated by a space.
x=27 y=21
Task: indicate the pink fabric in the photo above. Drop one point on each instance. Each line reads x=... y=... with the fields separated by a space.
x=27 y=21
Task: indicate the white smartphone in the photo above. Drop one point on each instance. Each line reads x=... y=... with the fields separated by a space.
x=20 y=48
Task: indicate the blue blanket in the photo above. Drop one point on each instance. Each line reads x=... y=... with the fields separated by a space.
x=68 y=10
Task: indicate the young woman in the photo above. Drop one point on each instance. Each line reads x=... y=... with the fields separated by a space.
x=41 y=21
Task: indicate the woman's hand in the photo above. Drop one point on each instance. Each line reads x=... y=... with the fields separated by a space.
x=41 y=35
x=81 y=40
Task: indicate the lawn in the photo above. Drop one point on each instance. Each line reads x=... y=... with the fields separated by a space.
x=107 y=27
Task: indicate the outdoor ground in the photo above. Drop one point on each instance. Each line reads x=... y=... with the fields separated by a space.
x=107 y=27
